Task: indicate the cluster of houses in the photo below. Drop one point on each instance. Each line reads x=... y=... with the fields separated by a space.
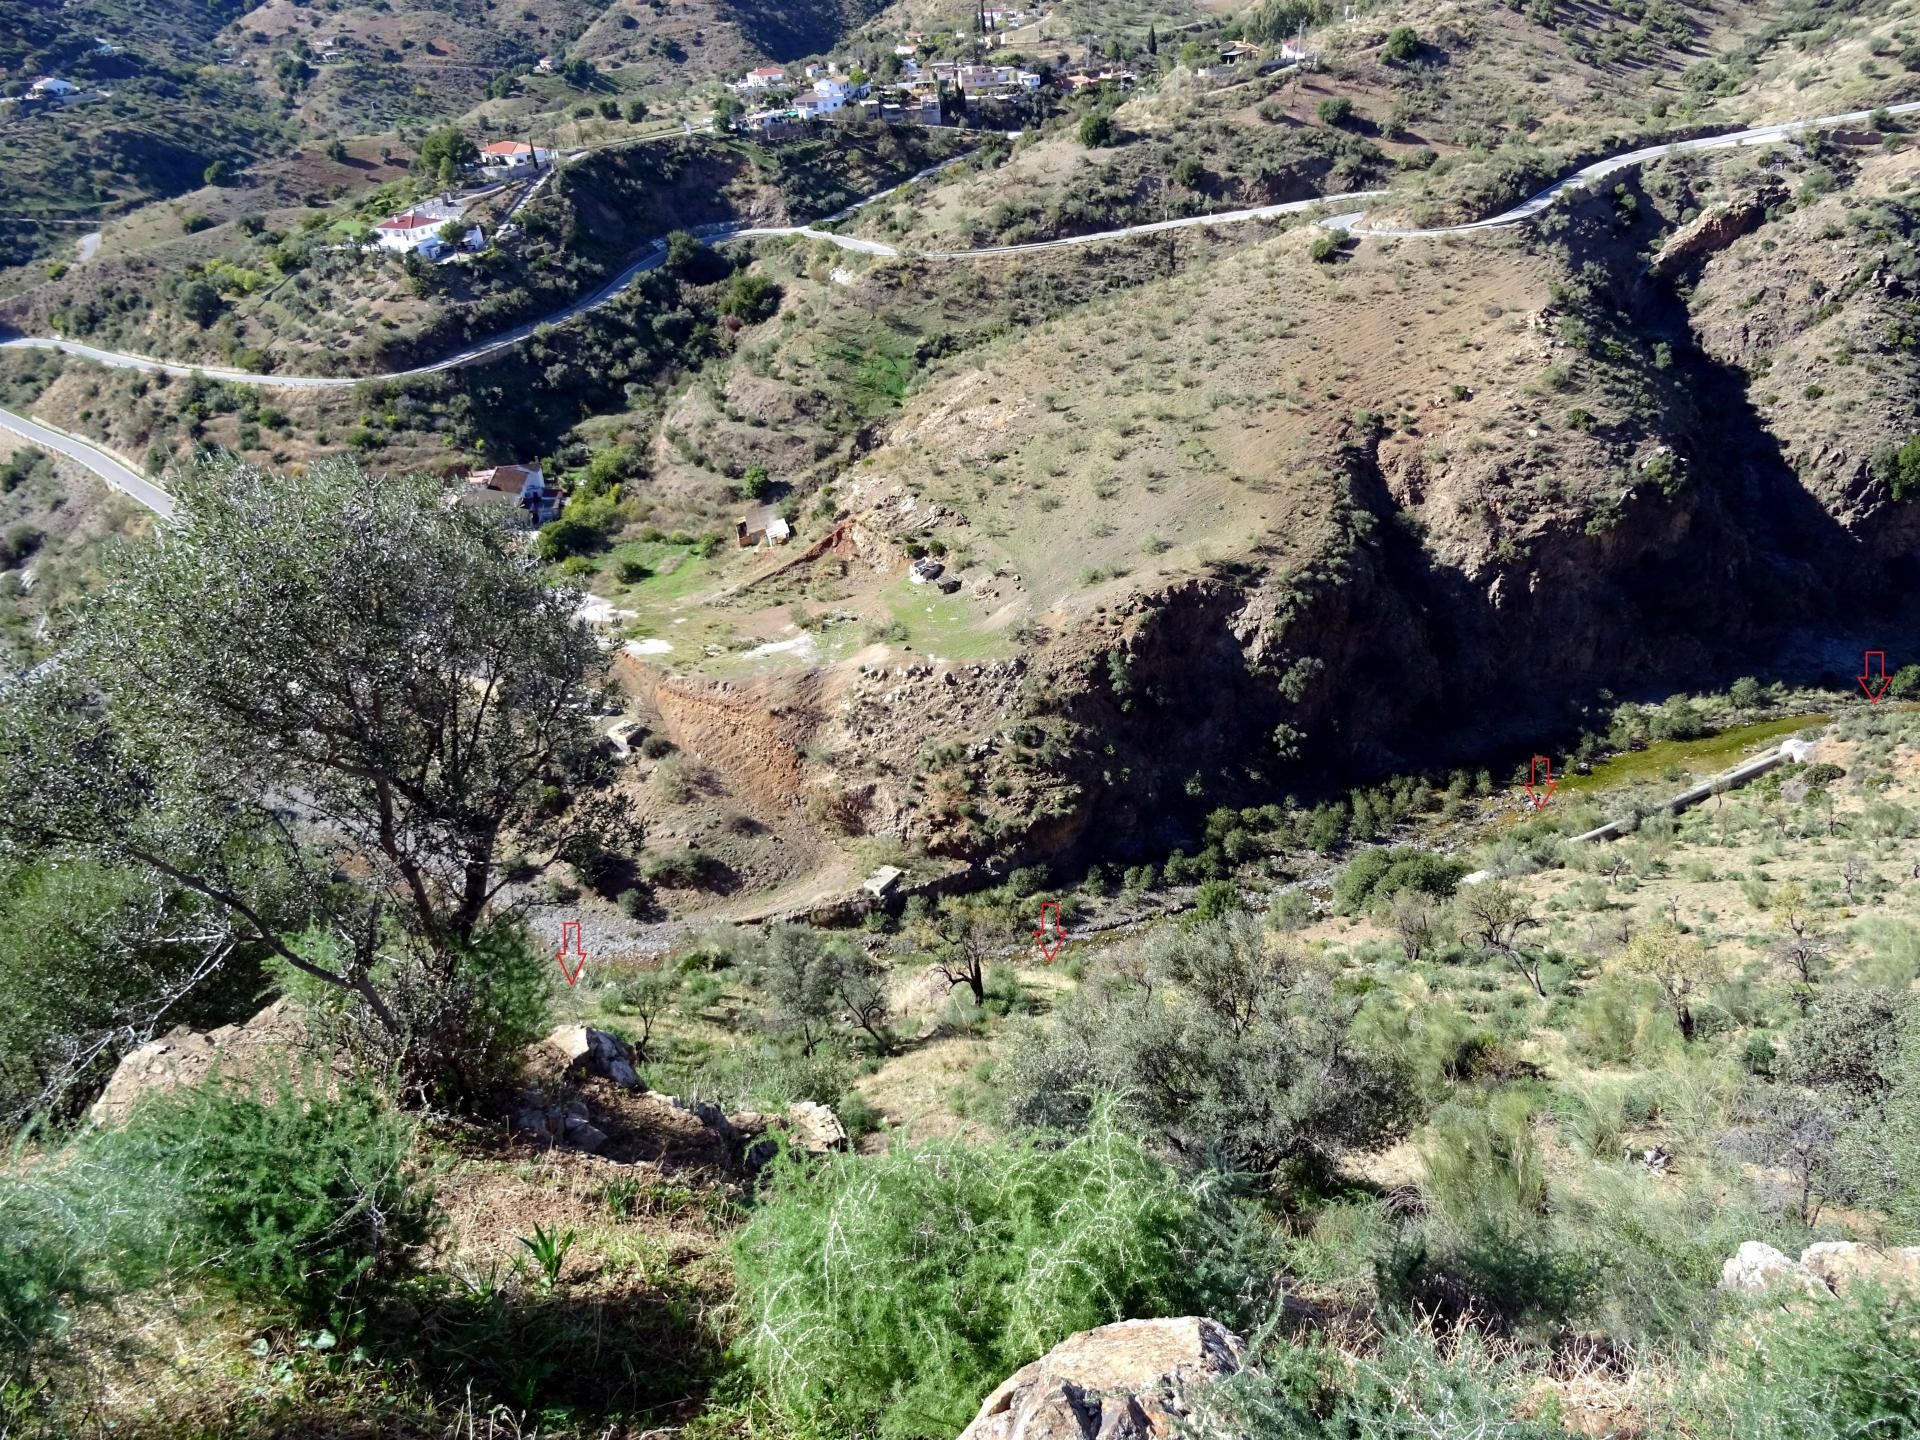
x=824 y=89
x=422 y=229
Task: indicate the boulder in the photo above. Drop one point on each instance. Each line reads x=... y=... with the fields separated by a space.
x=595 y=1052
x=1840 y=1264
x=814 y=1128
x=1757 y=1269
x=260 y=1048
x=1128 y=1381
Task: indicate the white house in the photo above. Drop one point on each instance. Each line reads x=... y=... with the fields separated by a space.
x=761 y=526
x=520 y=485
x=764 y=78
x=511 y=154
x=51 y=87
x=409 y=231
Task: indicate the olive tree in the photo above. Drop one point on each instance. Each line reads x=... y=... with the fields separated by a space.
x=325 y=705
x=1679 y=964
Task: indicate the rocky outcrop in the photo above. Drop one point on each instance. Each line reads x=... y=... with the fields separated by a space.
x=587 y=1051
x=1716 y=228
x=264 y=1045
x=1830 y=1267
x=1126 y=1381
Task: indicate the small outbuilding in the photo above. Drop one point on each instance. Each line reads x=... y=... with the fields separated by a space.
x=763 y=525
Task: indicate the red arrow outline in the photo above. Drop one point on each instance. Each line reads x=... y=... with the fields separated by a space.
x=1866 y=671
x=1040 y=935
x=1533 y=775
x=570 y=933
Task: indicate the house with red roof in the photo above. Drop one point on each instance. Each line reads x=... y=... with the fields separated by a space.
x=512 y=154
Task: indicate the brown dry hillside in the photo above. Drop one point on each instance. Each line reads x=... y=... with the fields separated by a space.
x=1365 y=514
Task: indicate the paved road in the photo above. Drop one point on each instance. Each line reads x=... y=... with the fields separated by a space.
x=1351 y=220
x=93 y=457
x=1601 y=169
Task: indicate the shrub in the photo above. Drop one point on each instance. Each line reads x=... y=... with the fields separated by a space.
x=1096 y=130
x=1403 y=43
x=887 y=1295
x=1237 y=1053
x=1325 y=248
x=1215 y=898
x=1846 y=1369
x=750 y=298
x=1898 y=467
x=1335 y=110
x=1410 y=1384
x=1379 y=874
x=282 y=1194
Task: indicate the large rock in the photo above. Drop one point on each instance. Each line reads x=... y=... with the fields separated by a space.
x=1758 y=1269
x=1716 y=228
x=261 y=1048
x=1841 y=1264
x=595 y=1052
x=1121 y=1382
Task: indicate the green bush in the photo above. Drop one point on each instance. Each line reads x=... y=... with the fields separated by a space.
x=1403 y=43
x=1238 y=1053
x=1408 y=1385
x=1841 y=1371
x=886 y=1295
x=750 y=298
x=304 y=1202
x=1379 y=874
x=48 y=1264
x=1096 y=130
x=1335 y=110
x=1899 y=468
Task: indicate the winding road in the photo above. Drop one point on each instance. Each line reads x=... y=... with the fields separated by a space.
x=1351 y=221
x=107 y=466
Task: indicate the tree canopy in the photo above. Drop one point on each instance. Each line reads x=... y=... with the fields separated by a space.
x=323 y=705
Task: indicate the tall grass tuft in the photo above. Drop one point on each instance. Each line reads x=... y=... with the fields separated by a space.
x=887 y=1295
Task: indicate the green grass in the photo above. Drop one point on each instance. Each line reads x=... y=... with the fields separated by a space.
x=947 y=626
x=1696 y=757
x=677 y=572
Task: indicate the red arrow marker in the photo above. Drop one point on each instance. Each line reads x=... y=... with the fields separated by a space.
x=1540 y=772
x=1042 y=936
x=1873 y=677
x=570 y=936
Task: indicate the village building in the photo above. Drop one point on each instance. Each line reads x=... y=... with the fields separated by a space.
x=767 y=77
x=521 y=486
x=762 y=525
x=512 y=154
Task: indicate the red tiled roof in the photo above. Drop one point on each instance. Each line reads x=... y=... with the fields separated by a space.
x=409 y=221
x=507 y=147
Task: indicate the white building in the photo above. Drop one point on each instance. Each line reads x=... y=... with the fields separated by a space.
x=51 y=87
x=511 y=154
x=518 y=485
x=767 y=77
x=412 y=230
